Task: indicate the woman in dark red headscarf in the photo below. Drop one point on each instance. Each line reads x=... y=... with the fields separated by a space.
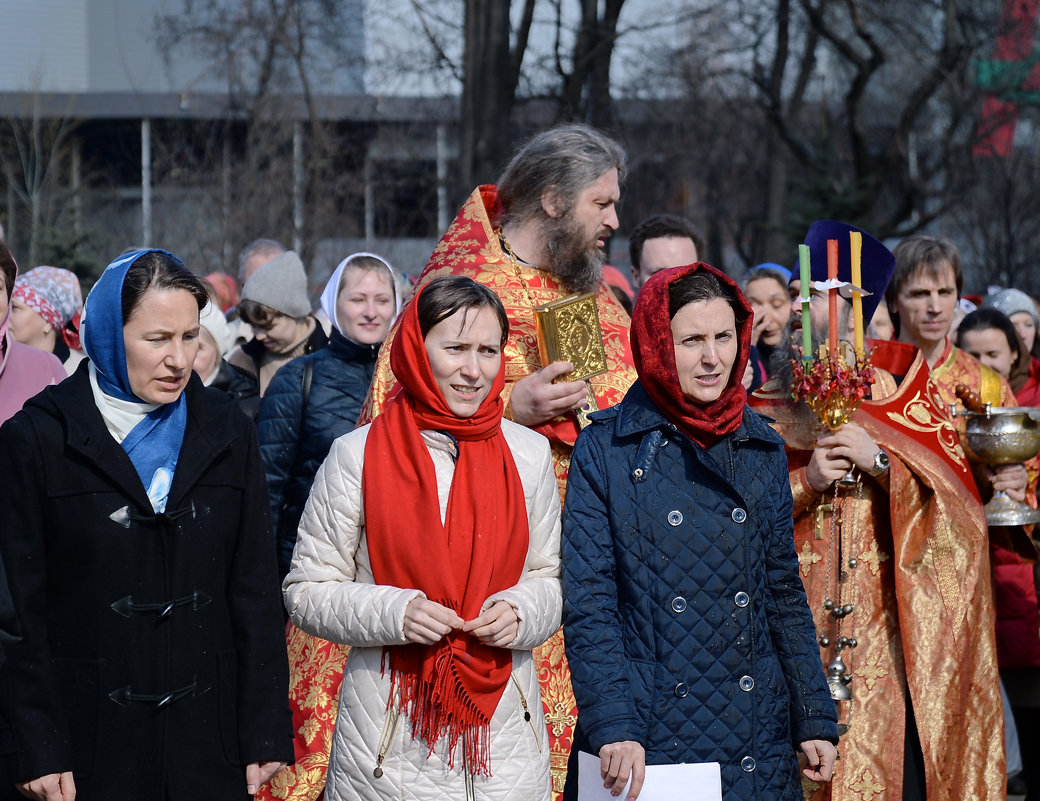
x=430 y=543
x=687 y=628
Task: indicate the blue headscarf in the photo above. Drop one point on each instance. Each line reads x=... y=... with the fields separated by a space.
x=154 y=444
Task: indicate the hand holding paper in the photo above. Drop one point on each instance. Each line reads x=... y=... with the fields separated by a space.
x=701 y=781
x=620 y=761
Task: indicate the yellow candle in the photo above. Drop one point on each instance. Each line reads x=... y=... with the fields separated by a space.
x=856 y=244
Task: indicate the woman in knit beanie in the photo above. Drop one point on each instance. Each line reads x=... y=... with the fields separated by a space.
x=45 y=313
x=1021 y=310
x=274 y=302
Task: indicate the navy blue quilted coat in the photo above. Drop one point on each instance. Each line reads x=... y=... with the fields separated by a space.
x=686 y=623
x=295 y=437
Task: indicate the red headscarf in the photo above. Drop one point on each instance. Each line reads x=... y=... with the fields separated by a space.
x=224 y=287
x=451 y=688
x=654 y=351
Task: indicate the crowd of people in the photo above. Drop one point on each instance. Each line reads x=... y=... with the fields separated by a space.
x=378 y=549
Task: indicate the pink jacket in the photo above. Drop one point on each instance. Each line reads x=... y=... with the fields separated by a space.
x=24 y=371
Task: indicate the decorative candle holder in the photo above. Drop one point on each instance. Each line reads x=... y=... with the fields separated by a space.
x=833 y=386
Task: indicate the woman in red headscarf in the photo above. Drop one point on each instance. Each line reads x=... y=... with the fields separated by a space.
x=430 y=543
x=687 y=628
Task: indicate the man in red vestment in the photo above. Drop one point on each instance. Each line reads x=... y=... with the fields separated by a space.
x=895 y=568
x=924 y=290
x=536 y=237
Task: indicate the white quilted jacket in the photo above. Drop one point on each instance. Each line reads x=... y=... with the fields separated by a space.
x=330 y=593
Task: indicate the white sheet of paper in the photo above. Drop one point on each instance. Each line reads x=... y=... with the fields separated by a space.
x=695 y=781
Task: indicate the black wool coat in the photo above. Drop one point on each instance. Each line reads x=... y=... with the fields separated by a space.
x=152 y=662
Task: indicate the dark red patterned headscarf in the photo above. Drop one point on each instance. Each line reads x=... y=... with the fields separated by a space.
x=654 y=352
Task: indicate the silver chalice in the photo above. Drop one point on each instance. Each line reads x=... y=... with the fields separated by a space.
x=1003 y=435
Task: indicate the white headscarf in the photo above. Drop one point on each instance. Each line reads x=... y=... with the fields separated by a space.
x=330 y=294
x=213 y=321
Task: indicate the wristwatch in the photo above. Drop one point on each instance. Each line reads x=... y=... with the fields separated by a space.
x=880 y=464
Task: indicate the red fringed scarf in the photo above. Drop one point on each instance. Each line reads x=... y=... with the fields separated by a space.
x=654 y=351
x=450 y=689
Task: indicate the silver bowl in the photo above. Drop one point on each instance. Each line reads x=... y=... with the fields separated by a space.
x=1002 y=435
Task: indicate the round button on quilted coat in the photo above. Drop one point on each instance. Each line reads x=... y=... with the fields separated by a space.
x=681 y=690
x=738 y=515
x=674 y=517
x=678 y=604
x=747 y=684
x=747 y=764
x=741 y=599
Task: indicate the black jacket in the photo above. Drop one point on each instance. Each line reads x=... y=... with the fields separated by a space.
x=255 y=349
x=296 y=433
x=153 y=660
x=242 y=386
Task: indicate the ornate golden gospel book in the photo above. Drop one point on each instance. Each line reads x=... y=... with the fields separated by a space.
x=568 y=330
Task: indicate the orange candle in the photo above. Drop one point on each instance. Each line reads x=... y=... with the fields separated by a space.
x=832 y=298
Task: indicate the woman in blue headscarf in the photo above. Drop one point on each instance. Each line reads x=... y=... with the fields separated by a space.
x=135 y=531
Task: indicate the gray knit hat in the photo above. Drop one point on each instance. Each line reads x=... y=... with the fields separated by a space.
x=281 y=284
x=1012 y=301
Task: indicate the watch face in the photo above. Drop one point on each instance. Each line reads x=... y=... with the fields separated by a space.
x=881 y=461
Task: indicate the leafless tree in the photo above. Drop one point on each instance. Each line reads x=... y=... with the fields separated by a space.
x=858 y=109
x=273 y=146
x=485 y=48
x=36 y=155
x=999 y=222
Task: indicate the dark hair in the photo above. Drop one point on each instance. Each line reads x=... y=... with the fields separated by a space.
x=662 y=225
x=923 y=253
x=567 y=159
x=259 y=314
x=444 y=296
x=158 y=270
x=986 y=318
x=702 y=285
x=8 y=267
x=761 y=274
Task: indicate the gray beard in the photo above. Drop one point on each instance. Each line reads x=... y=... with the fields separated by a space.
x=781 y=368
x=578 y=266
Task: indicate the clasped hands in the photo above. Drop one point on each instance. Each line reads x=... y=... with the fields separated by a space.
x=427 y=622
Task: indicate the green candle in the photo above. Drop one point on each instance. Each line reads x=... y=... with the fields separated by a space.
x=803 y=261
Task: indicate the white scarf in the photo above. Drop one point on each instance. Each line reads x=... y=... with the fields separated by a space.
x=120 y=416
